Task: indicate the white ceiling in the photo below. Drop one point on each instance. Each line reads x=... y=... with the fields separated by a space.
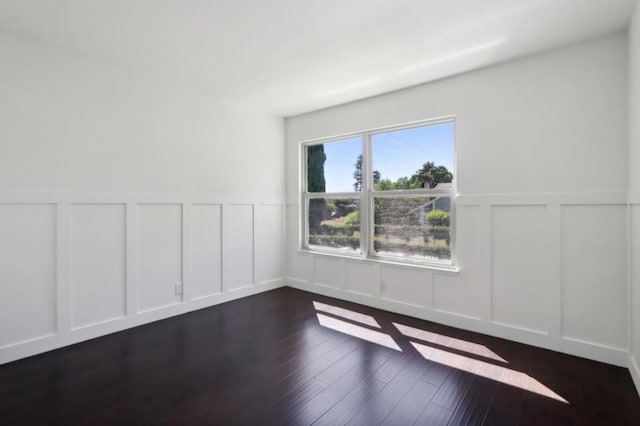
x=293 y=56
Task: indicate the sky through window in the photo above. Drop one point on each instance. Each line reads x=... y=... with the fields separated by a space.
x=395 y=154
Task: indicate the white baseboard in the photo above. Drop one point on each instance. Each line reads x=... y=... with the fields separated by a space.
x=46 y=343
x=589 y=350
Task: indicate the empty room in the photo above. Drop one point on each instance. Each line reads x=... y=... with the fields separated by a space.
x=319 y=212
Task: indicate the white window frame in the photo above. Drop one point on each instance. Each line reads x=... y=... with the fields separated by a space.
x=367 y=196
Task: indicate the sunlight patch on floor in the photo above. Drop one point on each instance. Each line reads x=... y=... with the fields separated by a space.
x=346 y=313
x=358 y=331
x=487 y=370
x=449 y=342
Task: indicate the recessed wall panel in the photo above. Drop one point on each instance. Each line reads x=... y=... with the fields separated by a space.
x=404 y=285
x=466 y=292
x=27 y=271
x=207 y=250
x=98 y=263
x=159 y=254
x=594 y=242
x=237 y=246
x=362 y=278
x=268 y=242
x=519 y=265
x=329 y=272
x=298 y=266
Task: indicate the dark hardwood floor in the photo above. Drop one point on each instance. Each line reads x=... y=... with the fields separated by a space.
x=278 y=358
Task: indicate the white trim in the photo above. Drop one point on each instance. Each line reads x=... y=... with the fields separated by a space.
x=253 y=244
x=273 y=281
x=62 y=204
x=634 y=197
x=383 y=129
x=555 y=319
x=534 y=198
x=400 y=302
x=398 y=193
x=55 y=197
x=366 y=203
x=18 y=350
x=131 y=264
x=63 y=268
x=629 y=259
x=437 y=267
x=312 y=195
x=224 y=286
x=589 y=350
x=634 y=370
x=519 y=329
x=359 y=293
x=187 y=252
x=486 y=258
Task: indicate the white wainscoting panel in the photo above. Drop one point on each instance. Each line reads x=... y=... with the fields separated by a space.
x=75 y=266
x=330 y=272
x=298 y=265
x=159 y=255
x=301 y=268
x=98 y=258
x=520 y=259
x=594 y=278
x=268 y=242
x=28 y=265
x=466 y=294
x=404 y=285
x=363 y=278
x=237 y=241
x=207 y=249
x=544 y=269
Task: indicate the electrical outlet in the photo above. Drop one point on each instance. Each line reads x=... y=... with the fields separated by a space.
x=383 y=286
x=178 y=289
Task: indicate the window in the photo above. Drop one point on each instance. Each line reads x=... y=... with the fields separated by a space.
x=384 y=194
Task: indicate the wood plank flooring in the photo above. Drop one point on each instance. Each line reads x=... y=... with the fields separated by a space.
x=266 y=359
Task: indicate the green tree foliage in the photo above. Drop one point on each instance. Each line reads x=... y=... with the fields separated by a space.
x=342 y=206
x=431 y=174
x=316 y=183
x=357 y=175
x=352 y=218
x=438 y=218
x=387 y=185
x=315 y=168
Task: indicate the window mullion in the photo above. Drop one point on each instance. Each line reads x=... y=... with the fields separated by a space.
x=366 y=210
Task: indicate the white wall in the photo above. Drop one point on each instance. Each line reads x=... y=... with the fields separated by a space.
x=73 y=124
x=542 y=174
x=113 y=188
x=634 y=190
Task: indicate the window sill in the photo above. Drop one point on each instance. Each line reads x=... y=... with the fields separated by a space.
x=436 y=267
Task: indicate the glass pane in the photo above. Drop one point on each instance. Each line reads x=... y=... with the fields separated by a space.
x=333 y=166
x=420 y=157
x=413 y=227
x=335 y=223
